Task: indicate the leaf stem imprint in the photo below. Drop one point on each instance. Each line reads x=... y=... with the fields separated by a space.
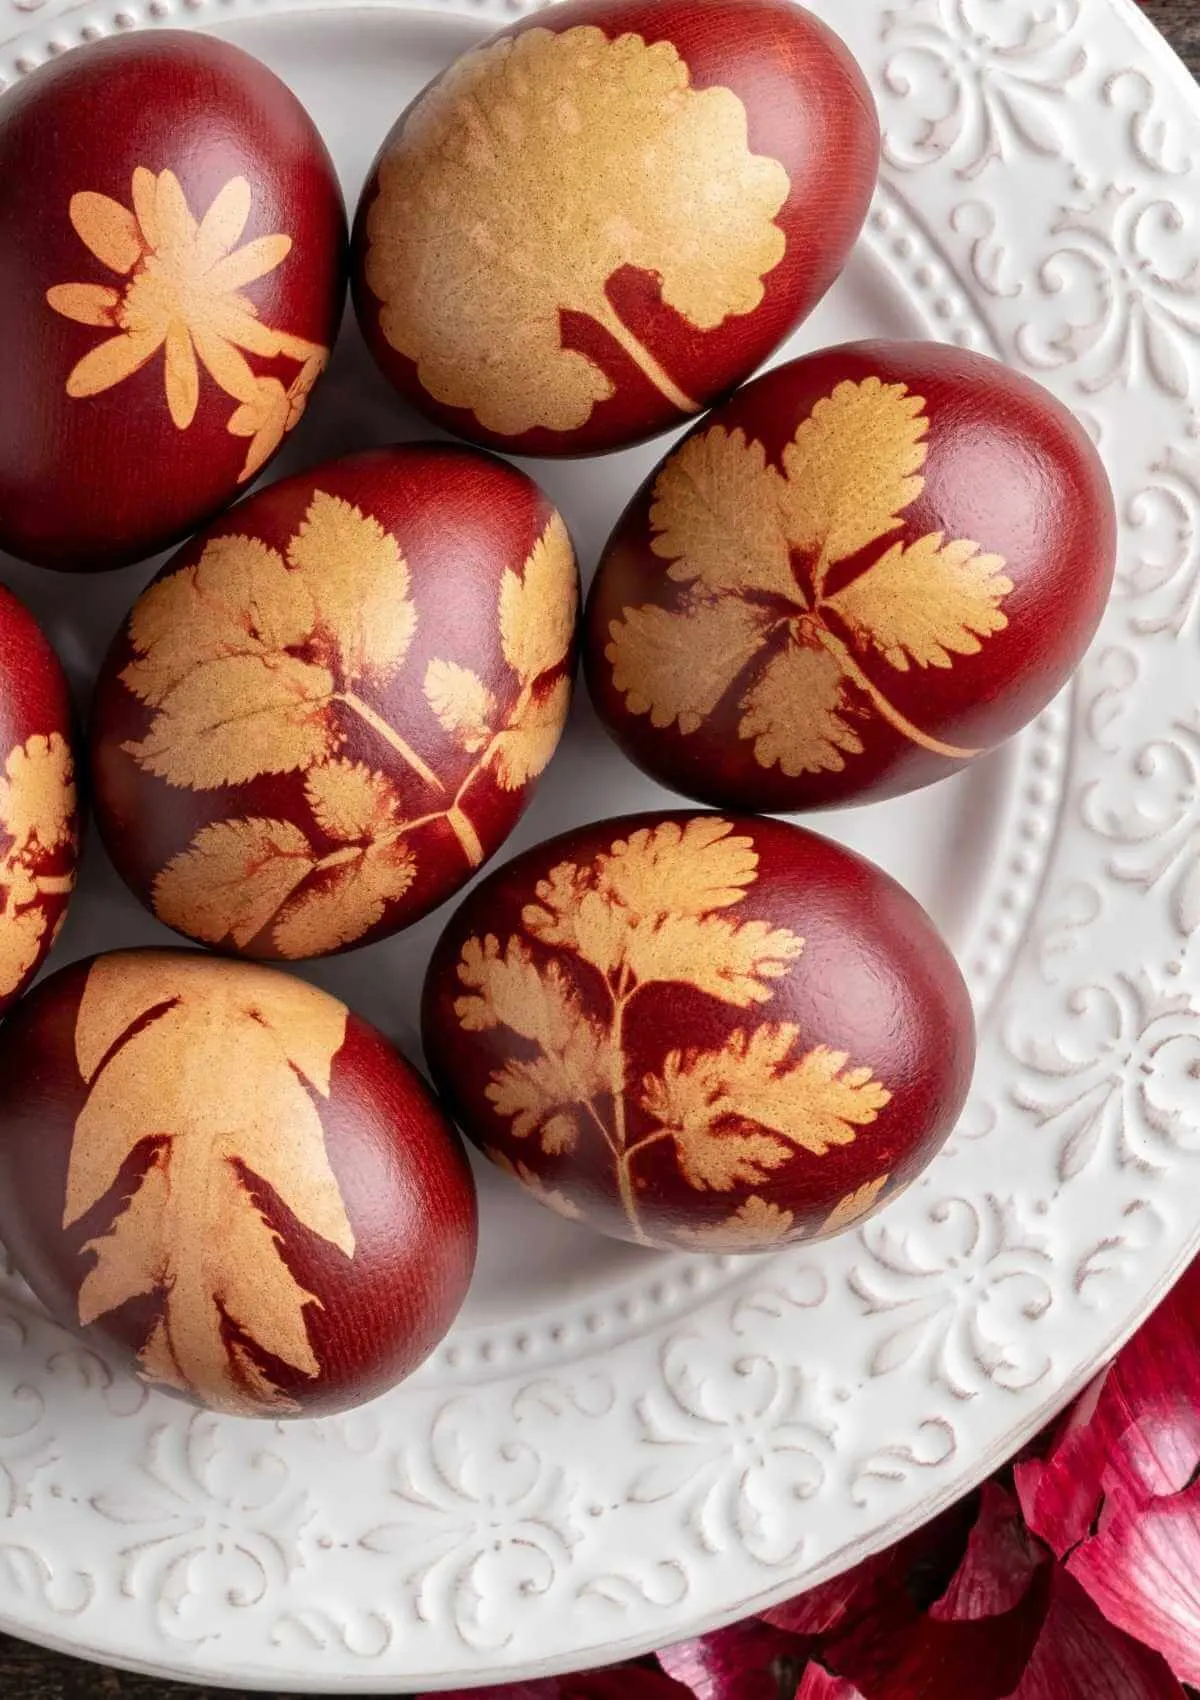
x=390 y=736
x=642 y=358
x=887 y=710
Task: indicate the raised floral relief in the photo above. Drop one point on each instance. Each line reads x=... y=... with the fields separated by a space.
x=149 y=1040
x=756 y=548
x=652 y=910
x=183 y=294
x=499 y=158
x=253 y=663
x=37 y=822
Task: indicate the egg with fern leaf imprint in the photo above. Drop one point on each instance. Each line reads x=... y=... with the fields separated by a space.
x=169 y=295
x=287 y=1236
x=701 y=1031
x=333 y=706
x=871 y=566
x=605 y=217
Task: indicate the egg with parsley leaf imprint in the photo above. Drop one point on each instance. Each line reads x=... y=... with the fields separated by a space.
x=39 y=810
x=169 y=292
x=871 y=566
x=702 y=1031
x=599 y=221
x=332 y=707
x=224 y=1175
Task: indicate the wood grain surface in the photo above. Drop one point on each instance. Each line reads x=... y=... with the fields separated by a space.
x=31 y=1673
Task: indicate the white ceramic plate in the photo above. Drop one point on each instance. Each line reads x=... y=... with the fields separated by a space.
x=615 y=1449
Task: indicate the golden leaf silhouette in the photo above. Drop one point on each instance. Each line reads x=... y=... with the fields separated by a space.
x=541 y=1095
x=37 y=815
x=524 y=748
x=852 y=469
x=238 y=875
x=928 y=603
x=232 y=879
x=352 y=887
x=151 y=1036
x=656 y=908
x=670 y=869
x=533 y=1183
x=214 y=647
x=538 y=609
x=716 y=515
x=462 y=703
x=855 y=1206
x=739 y=1113
x=754 y=1225
x=360 y=583
x=733 y=962
x=793 y=714
x=653 y=654
x=730 y=525
x=500 y=155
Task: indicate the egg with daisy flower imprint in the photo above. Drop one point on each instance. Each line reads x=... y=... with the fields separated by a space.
x=170 y=291
x=869 y=567
x=702 y=1031
x=331 y=707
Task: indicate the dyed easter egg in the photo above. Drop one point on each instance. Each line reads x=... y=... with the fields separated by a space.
x=870 y=567
x=329 y=709
x=700 y=1031
x=170 y=285
x=605 y=217
x=39 y=815
x=224 y=1174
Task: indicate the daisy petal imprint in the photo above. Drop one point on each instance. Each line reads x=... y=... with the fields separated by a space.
x=173 y=295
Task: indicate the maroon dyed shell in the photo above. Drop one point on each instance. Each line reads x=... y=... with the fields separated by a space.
x=170 y=286
x=332 y=706
x=868 y=567
x=605 y=217
x=696 y=1031
x=39 y=813
x=286 y=1237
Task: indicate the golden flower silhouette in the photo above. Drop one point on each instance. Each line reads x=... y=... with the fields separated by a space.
x=184 y=295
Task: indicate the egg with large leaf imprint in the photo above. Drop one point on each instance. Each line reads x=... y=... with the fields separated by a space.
x=170 y=284
x=870 y=567
x=226 y=1175
x=39 y=813
x=609 y=214
x=696 y=1030
x=329 y=709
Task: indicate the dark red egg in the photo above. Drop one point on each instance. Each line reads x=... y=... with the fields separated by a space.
x=332 y=707
x=171 y=281
x=869 y=567
x=605 y=217
x=39 y=812
x=699 y=1031
x=226 y=1175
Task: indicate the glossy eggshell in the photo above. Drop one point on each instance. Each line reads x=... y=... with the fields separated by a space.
x=39 y=811
x=329 y=709
x=227 y=1176
x=691 y=1030
x=867 y=568
x=132 y=173
x=657 y=193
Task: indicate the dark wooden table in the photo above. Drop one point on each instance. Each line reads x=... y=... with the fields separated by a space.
x=30 y=1673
